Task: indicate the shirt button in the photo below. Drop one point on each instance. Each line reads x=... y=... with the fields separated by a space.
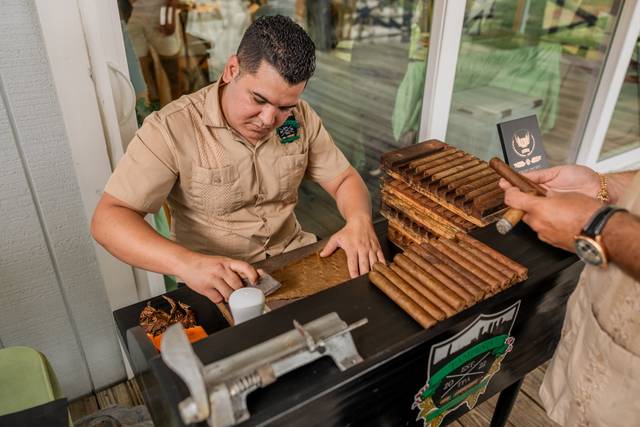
x=260 y=198
x=263 y=219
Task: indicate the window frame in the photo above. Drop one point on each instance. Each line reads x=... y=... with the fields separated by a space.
x=447 y=25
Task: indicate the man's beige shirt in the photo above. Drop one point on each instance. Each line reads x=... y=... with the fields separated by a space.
x=594 y=377
x=226 y=196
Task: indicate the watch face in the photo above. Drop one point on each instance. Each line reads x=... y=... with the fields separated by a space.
x=589 y=251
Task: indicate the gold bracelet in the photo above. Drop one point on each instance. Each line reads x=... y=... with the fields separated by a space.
x=603 y=193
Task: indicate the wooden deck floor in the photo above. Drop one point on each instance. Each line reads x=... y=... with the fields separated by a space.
x=527 y=412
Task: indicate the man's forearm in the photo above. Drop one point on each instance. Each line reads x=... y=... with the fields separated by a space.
x=127 y=236
x=617 y=183
x=621 y=238
x=352 y=198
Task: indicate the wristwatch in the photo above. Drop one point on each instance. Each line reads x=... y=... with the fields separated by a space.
x=589 y=245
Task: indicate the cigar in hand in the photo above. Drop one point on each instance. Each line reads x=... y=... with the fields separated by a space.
x=512 y=216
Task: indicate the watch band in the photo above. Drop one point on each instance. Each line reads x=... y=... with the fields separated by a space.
x=603 y=193
x=599 y=219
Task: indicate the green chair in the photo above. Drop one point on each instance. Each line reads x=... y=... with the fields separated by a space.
x=26 y=380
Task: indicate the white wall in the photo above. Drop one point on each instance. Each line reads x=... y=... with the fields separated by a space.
x=52 y=292
x=84 y=113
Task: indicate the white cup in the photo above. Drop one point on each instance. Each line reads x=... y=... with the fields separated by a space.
x=246 y=303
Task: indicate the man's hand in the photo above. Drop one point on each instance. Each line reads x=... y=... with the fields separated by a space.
x=557 y=218
x=357 y=238
x=562 y=179
x=359 y=241
x=216 y=277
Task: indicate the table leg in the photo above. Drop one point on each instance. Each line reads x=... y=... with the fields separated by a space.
x=506 y=400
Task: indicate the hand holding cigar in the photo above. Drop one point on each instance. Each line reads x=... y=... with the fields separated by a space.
x=569 y=200
x=512 y=216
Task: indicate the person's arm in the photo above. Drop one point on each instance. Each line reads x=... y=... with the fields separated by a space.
x=140 y=183
x=578 y=179
x=123 y=232
x=617 y=183
x=357 y=237
x=559 y=217
x=621 y=238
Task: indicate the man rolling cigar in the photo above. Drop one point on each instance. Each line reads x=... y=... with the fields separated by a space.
x=229 y=160
x=594 y=377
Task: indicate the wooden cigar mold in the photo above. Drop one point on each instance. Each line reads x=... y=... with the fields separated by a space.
x=401 y=203
x=452 y=179
x=432 y=196
x=435 y=280
x=475 y=182
x=437 y=160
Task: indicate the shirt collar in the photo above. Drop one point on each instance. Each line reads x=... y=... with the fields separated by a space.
x=213 y=115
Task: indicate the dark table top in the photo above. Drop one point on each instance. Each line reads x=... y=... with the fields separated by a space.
x=388 y=324
x=50 y=414
x=390 y=332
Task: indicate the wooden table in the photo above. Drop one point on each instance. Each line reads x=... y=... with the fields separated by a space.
x=396 y=350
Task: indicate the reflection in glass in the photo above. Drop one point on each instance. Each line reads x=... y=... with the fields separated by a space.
x=624 y=129
x=367 y=87
x=519 y=58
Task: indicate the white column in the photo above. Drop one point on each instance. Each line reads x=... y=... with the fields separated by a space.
x=103 y=32
x=66 y=46
x=444 y=45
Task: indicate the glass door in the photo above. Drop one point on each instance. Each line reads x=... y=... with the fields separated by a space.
x=623 y=134
x=523 y=57
x=611 y=139
x=621 y=146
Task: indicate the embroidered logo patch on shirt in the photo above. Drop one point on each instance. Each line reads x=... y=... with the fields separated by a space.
x=288 y=132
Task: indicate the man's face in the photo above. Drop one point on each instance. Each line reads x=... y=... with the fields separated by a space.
x=256 y=104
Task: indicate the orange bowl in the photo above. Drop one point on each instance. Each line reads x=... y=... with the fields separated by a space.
x=195 y=333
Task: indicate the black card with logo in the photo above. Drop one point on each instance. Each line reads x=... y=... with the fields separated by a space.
x=522 y=144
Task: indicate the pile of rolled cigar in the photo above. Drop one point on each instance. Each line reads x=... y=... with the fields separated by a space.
x=435 y=280
x=463 y=189
x=409 y=211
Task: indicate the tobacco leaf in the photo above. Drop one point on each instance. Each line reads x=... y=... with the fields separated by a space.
x=155 y=320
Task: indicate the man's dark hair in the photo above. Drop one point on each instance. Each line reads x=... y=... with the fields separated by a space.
x=283 y=44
